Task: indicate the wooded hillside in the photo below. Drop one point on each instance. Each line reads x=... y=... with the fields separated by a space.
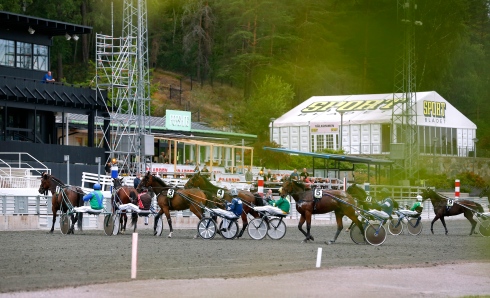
x=259 y=58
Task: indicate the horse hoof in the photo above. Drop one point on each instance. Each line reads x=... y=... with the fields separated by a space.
x=432 y=232
x=347 y=230
x=329 y=242
x=312 y=239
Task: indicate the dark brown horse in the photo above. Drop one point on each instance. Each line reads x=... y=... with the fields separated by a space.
x=124 y=195
x=249 y=200
x=448 y=207
x=330 y=200
x=182 y=199
x=64 y=198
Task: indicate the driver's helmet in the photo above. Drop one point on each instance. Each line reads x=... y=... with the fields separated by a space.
x=234 y=192
x=385 y=192
x=97 y=186
x=419 y=198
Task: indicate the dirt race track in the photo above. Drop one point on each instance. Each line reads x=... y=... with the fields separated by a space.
x=424 y=265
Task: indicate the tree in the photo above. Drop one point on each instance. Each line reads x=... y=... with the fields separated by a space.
x=272 y=98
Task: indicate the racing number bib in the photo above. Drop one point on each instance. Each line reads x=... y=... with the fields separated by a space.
x=450 y=202
x=170 y=193
x=318 y=193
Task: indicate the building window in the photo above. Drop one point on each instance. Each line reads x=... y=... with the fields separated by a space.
x=329 y=144
x=7 y=52
x=320 y=145
x=24 y=55
x=40 y=57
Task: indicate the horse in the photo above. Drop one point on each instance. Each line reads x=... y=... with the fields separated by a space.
x=250 y=200
x=124 y=195
x=192 y=199
x=442 y=209
x=61 y=196
x=486 y=192
x=331 y=200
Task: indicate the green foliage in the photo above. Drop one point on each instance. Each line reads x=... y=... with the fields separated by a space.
x=272 y=99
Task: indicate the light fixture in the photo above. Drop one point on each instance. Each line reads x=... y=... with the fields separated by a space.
x=67 y=36
x=75 y=37
x=30 y=30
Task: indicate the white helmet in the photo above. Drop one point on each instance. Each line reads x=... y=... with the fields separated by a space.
x=234 y=192
x=419 y=198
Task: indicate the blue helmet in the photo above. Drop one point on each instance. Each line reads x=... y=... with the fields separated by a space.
x=234 y=192
x=97 y=186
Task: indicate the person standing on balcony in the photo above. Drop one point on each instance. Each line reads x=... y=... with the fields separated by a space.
x=48 y=78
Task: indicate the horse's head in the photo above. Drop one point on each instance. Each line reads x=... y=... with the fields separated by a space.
x=194 y=181
x=45 y=184
x=428 y=193
x=146 y=182
x=290 y=187
x=118 y=182
x=357 y=192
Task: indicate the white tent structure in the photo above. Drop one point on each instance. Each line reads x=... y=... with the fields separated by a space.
x=361 y=124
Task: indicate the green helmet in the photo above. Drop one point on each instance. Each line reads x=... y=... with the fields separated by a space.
x=385 y=191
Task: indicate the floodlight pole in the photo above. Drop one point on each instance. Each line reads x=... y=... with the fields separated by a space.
x=67 y=159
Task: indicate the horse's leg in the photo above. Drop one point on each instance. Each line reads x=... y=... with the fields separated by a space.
x=54 y=221
x=302 y=220
x=74 y=219
x=308 y=227
x=134 y=220
x=340 y=226
x=433 y=221
x=350 y=227
x=122 y=222
x=169 y=221
x=444 y=223
x=157 y=217
x=469 y=215
x=245 y=224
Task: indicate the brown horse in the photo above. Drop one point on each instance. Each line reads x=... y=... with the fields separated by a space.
x=249 y=200
x=64 y=198
x=124 y=195
x=455 y=207
x=331 y=200
x=182 y=199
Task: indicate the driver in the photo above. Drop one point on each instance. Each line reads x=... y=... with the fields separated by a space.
x=95 y=198
x=387 y=203
x=417 y=206
x=236 y=205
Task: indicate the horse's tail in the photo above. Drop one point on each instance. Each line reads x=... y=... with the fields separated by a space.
x=479 y=207
x=80 y=214
x=134 y=218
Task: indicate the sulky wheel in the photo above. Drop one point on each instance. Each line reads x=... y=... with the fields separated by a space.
x=228 y=228
x=375 y=234
x=395 y=226
x=356 y=235
x=257 y=228
x=277 y=229
x=413 y=227
x=64 y=223
x=484 y=228
x=159 y=227
x=109 y=224
x=206 y=228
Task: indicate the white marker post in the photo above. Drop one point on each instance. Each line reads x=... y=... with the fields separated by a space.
x=134 y=256
x=319 y=257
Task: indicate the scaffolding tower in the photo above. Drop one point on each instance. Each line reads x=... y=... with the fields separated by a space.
x=122 y=68
x=404 y=140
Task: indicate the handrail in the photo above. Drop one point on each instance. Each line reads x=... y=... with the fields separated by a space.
x=20 y=163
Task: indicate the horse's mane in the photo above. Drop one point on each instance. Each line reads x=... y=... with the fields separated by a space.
x=160 y=180
x=208 y=184
x=299 y=184
x=56 y=180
